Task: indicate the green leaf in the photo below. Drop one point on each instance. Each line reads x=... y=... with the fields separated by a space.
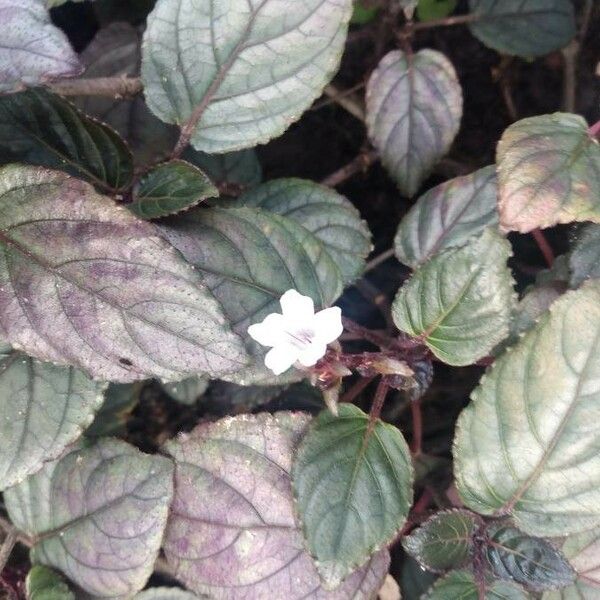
x=523 y=27
x=459 y=302
x=248 y=258
x=461 y=584
x=363 y=14
x=240 y=168
x=414 y=580
x=116 y=52
x=558 y=183
x=84 y=282
x=533 y=562
x=353 y=489
x=583 y=552
x=44 y=408
x=446 y=216
x=171 y=188
x=119 y=400
x=43 y=583
x=445 y=541
x=40 y=128
x=33 y=50
x=188 y=390
x=414 y=106
x=238 y=73
x=584 y=258
x=245 y=543
x=325 y=213
x=526 y=445
x=97 y=514
x=428 y=10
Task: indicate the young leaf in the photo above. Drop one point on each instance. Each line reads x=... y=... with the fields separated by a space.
x=43 y=583
x=558 y=183
x=445 y=541
x=459 y=302
x=429 y=10
x=83 y=282
x=171 y=188
x=414 y=106
x=235 y=74
x=325 y=213
x=44 y=408
x=248 y=258
x=532 y=562
x=584 y=258
x=33 y=50
x=97 y=514
x=583 y=552
x=188 y=390
x=523 y=27
x=240 y=168
x=163 y=593
x=43 y=129
x=447 y=216
x=245 y=543
x=525 y=446
x=119 y=400
x=462 y=584
x=116 y=52
x=347 y=474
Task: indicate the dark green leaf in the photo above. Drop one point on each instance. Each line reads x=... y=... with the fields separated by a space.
x=119 y=400
x=462 y=585
x=171 y=188
x=353 y=488
x=428 y=10
x=43 y=583
x=234 y=168
x=414 y=580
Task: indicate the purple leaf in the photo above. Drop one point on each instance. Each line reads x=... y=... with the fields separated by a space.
x=244 y=542
x=84 y=282
x=98 y=514
x=32 y=51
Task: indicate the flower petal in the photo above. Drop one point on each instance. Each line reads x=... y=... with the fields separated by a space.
x=270 y=332
x=327 y=325
x=281 y=358
x=309 y=355
x=296 y=307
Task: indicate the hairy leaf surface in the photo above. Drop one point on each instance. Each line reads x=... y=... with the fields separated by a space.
x=459 y=302
x=548 y=173
x=244 y=69
x=83 y=282
x=97 y=514
x=43 y=583
x=414 y=106
x=527 y=446
x=353 y=488
x=44 y=408
x=447 y=216
x=240 y=168
x=245 y=542
x=523 y=27
x=584 y=258
x=461 y=584
x=33 y=50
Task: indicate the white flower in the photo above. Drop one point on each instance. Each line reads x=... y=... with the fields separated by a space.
x=298 y=334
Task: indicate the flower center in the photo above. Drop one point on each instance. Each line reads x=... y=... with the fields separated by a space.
x=301 y=337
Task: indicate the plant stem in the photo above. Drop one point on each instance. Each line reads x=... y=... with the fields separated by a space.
x=115 y=87
x=346 y=101
x=594 y=130
x=380 y=258
x=416 y=446
x=7 y=547
x=378 y=400
x=544 y=246
x=446 y=22
x=356 y=389
x=360 y=163
x=376 y=338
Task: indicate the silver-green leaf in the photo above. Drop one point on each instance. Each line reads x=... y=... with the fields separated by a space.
x=414 y=107
x=584 y=258
x=462 y=584
x=459 y=302
x=527 y=444
x=43 y=583
x=238 y=72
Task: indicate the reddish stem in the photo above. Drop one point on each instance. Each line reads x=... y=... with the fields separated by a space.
x=417 y=419
x=544 y=246
x=594 y=130
x=422 y=503
x=356 y=389
x=378 y=400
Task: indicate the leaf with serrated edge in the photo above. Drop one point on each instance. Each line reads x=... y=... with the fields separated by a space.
x=523 y=27
x=171 y=188
x=459 y=302
x=445 y=541
x=186 y=391
x=526 y=445
x=548 y=173
x=245 y=544
x=447 y=216
x=414 y=106
x=530 y=561
x=98 y=514
x=461 y=584
x=44 y=408
x=240 y=168
x=43 y=583
x=248 y=258
x=244 y=69
x=325 y=213
x=84 y=282
x=33 y=50
x=583 y=552
x=353 y=488
x=584 y=258
x=43 y=129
